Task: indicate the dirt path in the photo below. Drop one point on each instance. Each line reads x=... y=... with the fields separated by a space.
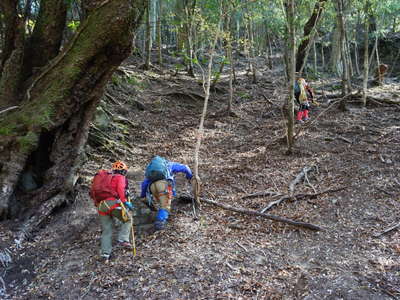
x=224 y=255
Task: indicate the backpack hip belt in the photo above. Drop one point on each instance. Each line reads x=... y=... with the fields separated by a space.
x=110 y=208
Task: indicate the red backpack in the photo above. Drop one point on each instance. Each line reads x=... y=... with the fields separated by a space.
x=101 y=188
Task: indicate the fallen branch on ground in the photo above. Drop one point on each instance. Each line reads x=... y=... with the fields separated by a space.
x=260 y=194
x=273 y=203
x=8 y=109
x=266 y=99
x=299 y=177
x=268 y=216
x=299 y=196
x=388 y=230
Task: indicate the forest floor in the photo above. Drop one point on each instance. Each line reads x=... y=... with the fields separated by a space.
x=226 y=255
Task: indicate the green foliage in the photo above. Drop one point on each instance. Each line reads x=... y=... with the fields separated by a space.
x=179 y=67
x=132 y=80
x=73 y=25
x=6 y=130
x=243 y=94
x=27 y=141
x=115 y=79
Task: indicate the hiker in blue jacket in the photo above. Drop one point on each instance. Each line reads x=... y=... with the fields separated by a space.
x=159 y=183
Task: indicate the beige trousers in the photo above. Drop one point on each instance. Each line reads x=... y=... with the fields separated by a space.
x=162 y=192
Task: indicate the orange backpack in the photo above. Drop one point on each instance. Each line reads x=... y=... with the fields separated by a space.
x=101 y=187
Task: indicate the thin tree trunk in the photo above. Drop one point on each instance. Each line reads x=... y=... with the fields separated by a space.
x=189 y=13
x=159 y=39
x=373 y=50
x=290 y=13
x=378 y=62
x=315 y=57
x=269 y=51
x=356 y=58
x=251 y=51
x=346 y=85
x=366 y=44
x=206 y=87
x=348 y=55
x=230 y=101
x=335 y=57
x=148 y=37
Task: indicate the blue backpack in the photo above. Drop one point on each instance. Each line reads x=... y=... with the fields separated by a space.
x=157 y=169
x=296 y=88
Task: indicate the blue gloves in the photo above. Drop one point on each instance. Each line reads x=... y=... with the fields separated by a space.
x=162 y=215
x=128 y=205
x=161 y=219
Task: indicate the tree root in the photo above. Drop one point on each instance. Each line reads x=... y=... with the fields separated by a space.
x=38 y=217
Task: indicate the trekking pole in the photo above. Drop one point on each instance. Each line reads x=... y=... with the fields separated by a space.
x=133 y=235
x=132 y=231
x=133 y=240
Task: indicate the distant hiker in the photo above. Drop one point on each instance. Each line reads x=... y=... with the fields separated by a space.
x=304 y=94
x=379 y=74
x=109 y=192
x=159 y=183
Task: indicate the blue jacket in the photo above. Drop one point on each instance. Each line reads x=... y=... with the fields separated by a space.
x=174 y=168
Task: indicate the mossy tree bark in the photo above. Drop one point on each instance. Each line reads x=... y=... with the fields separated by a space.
x=46 y=134
x=308 y=35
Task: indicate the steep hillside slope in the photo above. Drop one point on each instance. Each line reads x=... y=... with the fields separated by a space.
x=352 y=185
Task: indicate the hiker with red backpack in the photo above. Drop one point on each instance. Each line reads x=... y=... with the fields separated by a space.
x=159 y=184
x=304 y=94
x=109 y=192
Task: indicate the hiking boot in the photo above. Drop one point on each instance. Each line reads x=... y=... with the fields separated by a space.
x=125 y=244
x=160 y=225
x=105 y=257
x=300 y=121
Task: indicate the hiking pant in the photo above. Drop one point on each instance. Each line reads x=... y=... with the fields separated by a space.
x=107 y=224
x=162 y=192
x=303 y=111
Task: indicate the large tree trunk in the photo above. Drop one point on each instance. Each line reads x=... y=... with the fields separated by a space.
x=309 y=32
x=46 y=37
x=44 y=137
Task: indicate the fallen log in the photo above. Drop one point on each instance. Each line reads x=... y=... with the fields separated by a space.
x=267 y=216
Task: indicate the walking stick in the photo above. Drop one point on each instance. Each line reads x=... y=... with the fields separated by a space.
x=133 y=240
x=132 y=230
